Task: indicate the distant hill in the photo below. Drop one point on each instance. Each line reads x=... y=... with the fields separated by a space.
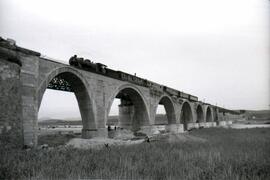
x=43 y=119
x=59 y=122
x=113 y=120
x=257 y=115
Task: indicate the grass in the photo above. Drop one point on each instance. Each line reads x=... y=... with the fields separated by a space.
x=54 y=140
x=226 y=154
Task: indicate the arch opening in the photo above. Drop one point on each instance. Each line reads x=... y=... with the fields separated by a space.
x=165 y=113
x=161 y=116
x=186 y=115
x=113 y=116
x=199 y=112
x=132 y=112
x=208 y=115
x=69 y=82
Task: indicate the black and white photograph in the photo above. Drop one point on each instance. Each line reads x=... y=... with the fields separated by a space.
x=125 y=89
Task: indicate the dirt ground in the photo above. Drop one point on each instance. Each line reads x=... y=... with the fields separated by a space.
x=98 y=143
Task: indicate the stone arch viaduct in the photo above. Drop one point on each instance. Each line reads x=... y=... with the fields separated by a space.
x=25 y=75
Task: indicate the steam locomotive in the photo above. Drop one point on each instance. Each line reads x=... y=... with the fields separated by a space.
x=88 y=65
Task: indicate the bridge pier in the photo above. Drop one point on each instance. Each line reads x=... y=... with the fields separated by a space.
x=222 y=123
x=126 y=115
x=201 y=125
x=132 y=114
x=149 y=130
x=92 y=133
x=154 y=129
x=195 y=125
x=175 y=128
x=208 y=124
x=89 y=133
x=190 y=126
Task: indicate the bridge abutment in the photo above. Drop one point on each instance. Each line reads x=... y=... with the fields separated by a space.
x=11 y=124
x=29 y=83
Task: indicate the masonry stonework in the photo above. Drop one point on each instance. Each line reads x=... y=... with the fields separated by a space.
x=11 y=131
x=22 y=86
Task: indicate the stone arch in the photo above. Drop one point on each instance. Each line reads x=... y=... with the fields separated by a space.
x=208 y=114
x=138 y=111
x=169 y=108
x=80 y=88
x=199 y=113
x=186 y=114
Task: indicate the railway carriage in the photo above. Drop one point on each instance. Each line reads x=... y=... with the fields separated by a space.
x=156 y=89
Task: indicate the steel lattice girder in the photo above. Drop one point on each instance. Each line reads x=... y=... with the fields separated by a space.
x=60 y=84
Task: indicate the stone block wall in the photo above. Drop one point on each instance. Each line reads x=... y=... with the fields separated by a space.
x=11 y=131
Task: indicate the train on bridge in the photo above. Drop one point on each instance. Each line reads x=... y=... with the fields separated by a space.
x=88 y=65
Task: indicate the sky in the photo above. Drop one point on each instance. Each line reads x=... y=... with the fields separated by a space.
x=215 y=49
